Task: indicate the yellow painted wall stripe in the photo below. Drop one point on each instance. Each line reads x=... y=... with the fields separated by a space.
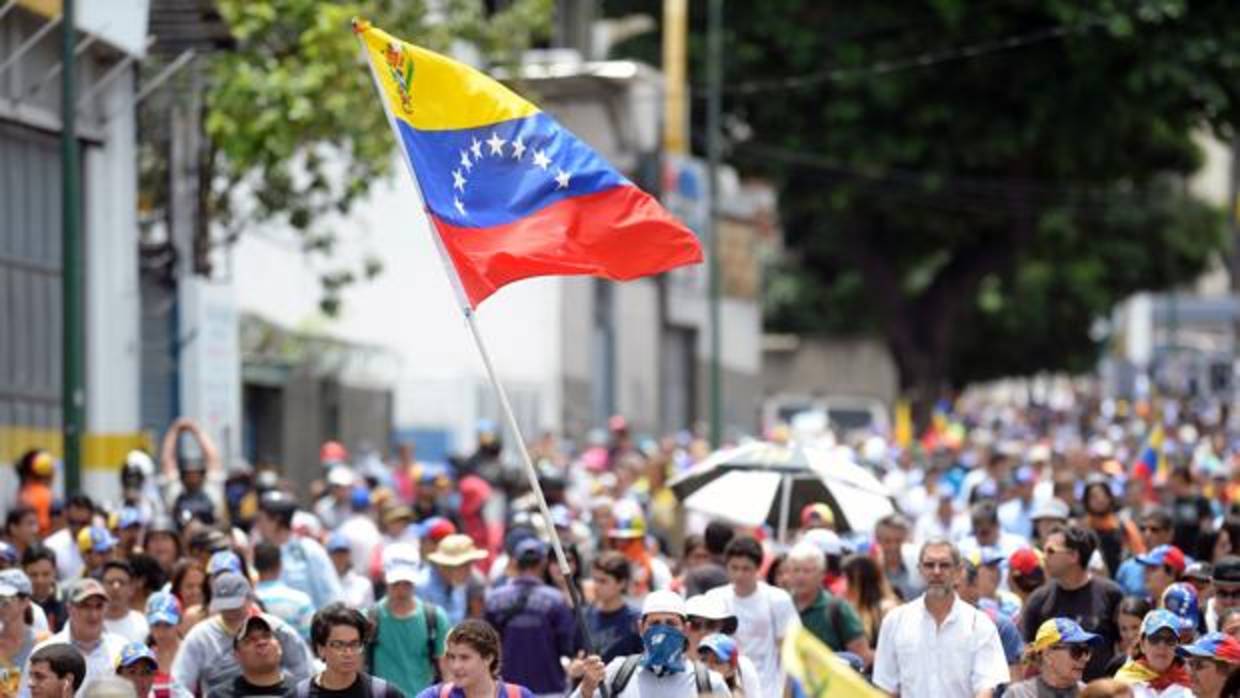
x=100 y=451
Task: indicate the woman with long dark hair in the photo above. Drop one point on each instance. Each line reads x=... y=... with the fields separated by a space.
x=192 y=591
x=1115 y=535
x=869 y=592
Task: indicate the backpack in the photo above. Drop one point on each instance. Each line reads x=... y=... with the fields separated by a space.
x=432 y=628
x=511 y=690
x=375 y=687
x=835 y=616
x=618 y=682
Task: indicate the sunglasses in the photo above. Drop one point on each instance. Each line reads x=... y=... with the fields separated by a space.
x=704 y=624
x=1077 y=651
x=1200 y=663
x=1227 y=593
x=1153 y=529
x=1163 y=639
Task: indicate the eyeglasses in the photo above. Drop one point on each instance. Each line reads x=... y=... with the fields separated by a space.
x=1162 y=639
x=935 y=565
x=1077 y=651
x=1199 y=663
x=345 y=646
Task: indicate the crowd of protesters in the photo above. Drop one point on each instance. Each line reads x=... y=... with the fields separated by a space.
x=1091 y=551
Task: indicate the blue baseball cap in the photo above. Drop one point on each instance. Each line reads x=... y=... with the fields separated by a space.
x=1181 y=599
x=359 y=498
x=135 y=652
x=530 y=549
x=1168 y=555
x=1161 y=619
x=95 y=539
x=1061 y=631
x=1218 y=646
x=163 y=607
x=337 y=542
x=223 y=561
x=128 y=517
x=723 y=647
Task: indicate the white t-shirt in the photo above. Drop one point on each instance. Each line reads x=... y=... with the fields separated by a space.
x=132 y=627
x=643 y=684
x=68 y=558
x=763 y=620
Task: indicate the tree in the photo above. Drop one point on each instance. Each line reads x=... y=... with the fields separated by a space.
x=975 y=182
x=294 y=131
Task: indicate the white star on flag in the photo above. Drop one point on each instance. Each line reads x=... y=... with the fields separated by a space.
x=476 y=148
x=518 y=148
x=459 y=206
x=497 y=144
x=561 y=179
x=458 y=182
x=465 y=161
x=541 y=159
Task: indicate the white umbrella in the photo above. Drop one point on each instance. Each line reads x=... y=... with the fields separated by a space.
x=763 y=483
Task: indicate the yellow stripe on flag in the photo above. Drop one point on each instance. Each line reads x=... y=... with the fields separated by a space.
x=904 y=424
x=431 y=92
x=820 y=673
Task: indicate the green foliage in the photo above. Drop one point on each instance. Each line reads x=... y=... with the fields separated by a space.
x=295 y=130
x=980 y=209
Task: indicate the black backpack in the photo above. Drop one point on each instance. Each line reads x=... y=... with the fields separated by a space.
x=618 y=682
x=375 y=687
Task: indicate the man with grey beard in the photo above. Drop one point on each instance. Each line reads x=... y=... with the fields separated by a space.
x=938 y=645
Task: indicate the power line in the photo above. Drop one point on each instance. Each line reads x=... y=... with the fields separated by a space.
x=922 y=60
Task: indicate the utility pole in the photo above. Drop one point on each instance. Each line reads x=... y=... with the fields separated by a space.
x=714 y=84
x=72 y=398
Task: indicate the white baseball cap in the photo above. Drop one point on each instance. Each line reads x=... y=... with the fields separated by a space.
x=663 y=601
x=400 y=563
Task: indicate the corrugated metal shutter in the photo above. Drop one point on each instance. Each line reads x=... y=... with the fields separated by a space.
x=30 y=288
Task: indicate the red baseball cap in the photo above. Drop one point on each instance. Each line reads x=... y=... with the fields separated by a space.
x=1024 y=561
x=1168 y=555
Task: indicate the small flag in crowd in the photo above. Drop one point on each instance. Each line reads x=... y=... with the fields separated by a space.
x=815 y=672
x=511 y=193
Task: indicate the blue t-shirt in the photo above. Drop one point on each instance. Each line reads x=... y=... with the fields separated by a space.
x=614 y=633
x=1131 y=578
x=536 y=629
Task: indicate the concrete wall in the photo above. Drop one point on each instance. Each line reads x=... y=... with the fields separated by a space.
x=637 y=354
x=823 y=367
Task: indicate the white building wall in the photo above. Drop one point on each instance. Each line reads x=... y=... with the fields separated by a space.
x=111 y=303
x=410 y=310
x=637 y=353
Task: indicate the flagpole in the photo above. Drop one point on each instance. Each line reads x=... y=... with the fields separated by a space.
x=468 y=310
x=511 y=419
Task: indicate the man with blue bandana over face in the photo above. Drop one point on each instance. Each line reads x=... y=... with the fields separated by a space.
x=661 y=670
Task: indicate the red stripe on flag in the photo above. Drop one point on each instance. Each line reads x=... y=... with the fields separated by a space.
x=618 y=234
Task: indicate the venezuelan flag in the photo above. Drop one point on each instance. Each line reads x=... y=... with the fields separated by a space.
x=814 y=671
x=510 y=192
x=1152 y=463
